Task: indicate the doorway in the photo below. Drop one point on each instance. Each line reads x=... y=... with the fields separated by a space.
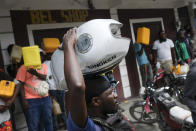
x=155 y=25
x=36 y=32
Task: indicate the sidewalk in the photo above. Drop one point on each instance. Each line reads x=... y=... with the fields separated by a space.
x=139 y=126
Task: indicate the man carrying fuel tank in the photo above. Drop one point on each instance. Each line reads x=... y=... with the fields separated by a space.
x=92 y=98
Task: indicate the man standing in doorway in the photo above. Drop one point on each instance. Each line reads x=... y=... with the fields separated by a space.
x=144 y=64
x=164 y=52
x=182 y=48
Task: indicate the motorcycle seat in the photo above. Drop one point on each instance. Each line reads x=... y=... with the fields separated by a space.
x=181 y=115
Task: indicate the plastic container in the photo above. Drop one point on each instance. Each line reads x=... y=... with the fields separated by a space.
x=184 y=69
x=56 y=108
x=16 y=54
x=180 y=69
x=31 y=57
x=50 y=44
x=100 y=48
x=97 y=52
x=143 y=35
x=6 y=89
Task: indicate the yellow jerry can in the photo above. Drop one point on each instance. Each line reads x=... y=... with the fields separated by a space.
x=143 y=35
x=180 y=69
x=6 y=89
x=31 y=57
x=50 y=44
x=16 y=53
x=175 y=69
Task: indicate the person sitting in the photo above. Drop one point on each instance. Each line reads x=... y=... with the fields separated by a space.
x=92 y=99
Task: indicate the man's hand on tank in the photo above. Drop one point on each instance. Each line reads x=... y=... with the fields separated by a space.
x=69 y=39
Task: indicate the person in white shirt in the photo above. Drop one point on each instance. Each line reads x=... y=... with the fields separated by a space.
x=164 y=52
x=55 y=92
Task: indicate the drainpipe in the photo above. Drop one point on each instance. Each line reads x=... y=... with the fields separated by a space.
x=177 y=19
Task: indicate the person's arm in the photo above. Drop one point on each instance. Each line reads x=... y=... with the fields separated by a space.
x=141 y=50
x=173 y=55
x=154 y=52
x=34 y=72
x=23 y=100
x=178 y=57
x=155 y=56
x=75 y=80
x=11 y=100
x=21 y=78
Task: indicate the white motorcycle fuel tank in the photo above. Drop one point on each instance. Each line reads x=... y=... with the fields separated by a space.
x=99 y=47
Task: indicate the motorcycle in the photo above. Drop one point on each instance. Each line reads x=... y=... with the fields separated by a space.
x=144 y=111
x=169 y=116
x=177 y=86
x=174 y=83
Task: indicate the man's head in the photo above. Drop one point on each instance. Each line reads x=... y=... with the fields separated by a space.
x=162 y=36
x=99 y=94
x=42 y=55
x=181 y=34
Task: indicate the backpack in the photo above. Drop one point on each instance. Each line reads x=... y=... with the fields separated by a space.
x=116 y=122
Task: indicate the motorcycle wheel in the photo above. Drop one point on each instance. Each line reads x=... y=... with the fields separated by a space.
x=138 y=113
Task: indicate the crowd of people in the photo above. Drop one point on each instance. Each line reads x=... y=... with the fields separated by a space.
x=165 y=54
x=91 y=99
x=91 y=102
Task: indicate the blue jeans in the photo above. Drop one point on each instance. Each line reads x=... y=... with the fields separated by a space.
x=146 y=74
x=40 y=108
x=59 y=96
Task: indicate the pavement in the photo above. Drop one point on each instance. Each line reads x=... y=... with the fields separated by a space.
x=139 y=126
